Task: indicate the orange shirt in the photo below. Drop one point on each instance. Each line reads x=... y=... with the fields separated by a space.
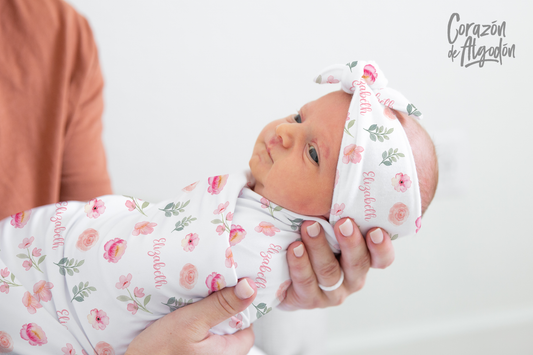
x=50 y=107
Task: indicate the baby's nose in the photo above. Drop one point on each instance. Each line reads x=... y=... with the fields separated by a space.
x=287 y=133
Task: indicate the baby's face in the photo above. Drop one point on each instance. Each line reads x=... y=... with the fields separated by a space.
x=295 y=158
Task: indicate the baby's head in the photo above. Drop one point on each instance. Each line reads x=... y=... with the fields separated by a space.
x=296 y=159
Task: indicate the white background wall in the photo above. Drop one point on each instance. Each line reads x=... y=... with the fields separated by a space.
x=189 y=85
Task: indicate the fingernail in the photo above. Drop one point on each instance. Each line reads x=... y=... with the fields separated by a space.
x=346 y=228
x=299 y=250
x=243 y=290
x=377 y=236
x=313 y=229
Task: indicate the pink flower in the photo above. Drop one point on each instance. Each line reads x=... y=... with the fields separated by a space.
x=418 y=224
x=221 y=208
x=229 y=258
x=36 y=252
x=332 y=80
x=221 y=229
x=215 y=282
x=132 y=307
x=388 y=113
x=42 y=292
x=188 y=276
x=114 y=249
x=68 y=350
x=236 y=321
x=266 y=228
x=124 y=282
x=398 y=213
x=190 y=187
x=27 y=264
x=33 y=334
x=352 y=154
x=337 y=177
x=4 y=288
x=138 y=292
x=103 y=348
x=87 y=239
x=26 y=243
x=4 y=272
x=20 y=219
x=265 y=203
x=31 y=303
x=98 y=319
x=190 y=241
x=337 y=209
x=236 y=234
x=84 y=352
x=281 y=293
x=6 y=343
x=229 y=216
x=348 y=116
x=216 y=184
x=131 y=205
x=94 y=208
x=370 y=75
x=143 y=228
x=401 y=182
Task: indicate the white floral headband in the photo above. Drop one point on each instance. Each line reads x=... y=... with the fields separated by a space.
x=376 y=182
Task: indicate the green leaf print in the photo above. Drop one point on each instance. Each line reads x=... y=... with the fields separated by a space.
x=174 y=304
x=174 y=209
x=379 y=133
x=67 y=266
x=135 y=203
x=180 y=225
x=318 y=80
x=412 y=110
x=81 y=291
x=351 y=65
x=261 y=309
x=391 y=156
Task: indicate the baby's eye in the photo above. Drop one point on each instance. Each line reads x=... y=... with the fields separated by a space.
x=313 y=153
x=297 y=118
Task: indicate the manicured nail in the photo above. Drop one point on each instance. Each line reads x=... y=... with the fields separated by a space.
x=243 y=290
x=377 y=236
x=313 y=229
x=299 y=250
x=346 y=228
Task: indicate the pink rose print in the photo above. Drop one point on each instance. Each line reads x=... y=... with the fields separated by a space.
x=188 y=276
x=236 y=321
x=266 y=228
x=281 y=293
x=418 y=224
x=337 y=209
x=221 y=229
x=26 y=243
x=221 y=208
x=41 y=291
x=229 y=217
x=4 y=272
x=132 y=307
x=4 y=288
x=124 y=282
x=85 y=352
x=401 y=182
x=398 y=213
x=190 y=241
x=31 y=303
x=114 y=249
x=131 y=205
x=352 y=154
x=87 y=239
x=143 y=228
x=215 y=282
x=6 y=343
x=216 y=184
x=229 y=258
x=370 y=75
x=34 y=334
x=20 y=219
x=103 y=348
x=36 y=252
x=265 y=203
x=94 y=208
x=388 y=113
x=332 y=80
x=190 y=187
x=98 y=319
x=236 y=234
x=68 y=350
x=138 y=292
x=27 y=264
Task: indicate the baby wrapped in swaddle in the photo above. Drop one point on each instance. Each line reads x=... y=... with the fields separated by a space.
x=84 y=276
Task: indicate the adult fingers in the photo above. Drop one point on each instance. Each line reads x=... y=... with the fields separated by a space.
x=238 y=343
x=380 y=247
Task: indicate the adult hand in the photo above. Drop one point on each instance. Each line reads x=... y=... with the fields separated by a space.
x=186 y=330
x=312 y=262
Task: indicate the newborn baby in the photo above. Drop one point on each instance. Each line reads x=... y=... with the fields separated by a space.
x=92 y=275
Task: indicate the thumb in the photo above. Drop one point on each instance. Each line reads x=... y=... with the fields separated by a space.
x=220 y=306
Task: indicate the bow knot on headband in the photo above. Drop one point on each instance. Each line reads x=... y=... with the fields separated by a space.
x=376 y=182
